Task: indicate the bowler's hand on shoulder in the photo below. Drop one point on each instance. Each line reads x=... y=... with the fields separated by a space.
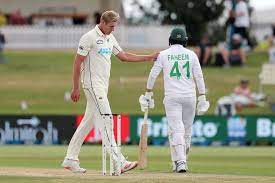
x=154 y=56
x=146 y=101
x=75 y=94
x=203 y=105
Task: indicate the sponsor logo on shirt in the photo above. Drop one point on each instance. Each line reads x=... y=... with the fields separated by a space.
x=105 y=51
x=99 y=41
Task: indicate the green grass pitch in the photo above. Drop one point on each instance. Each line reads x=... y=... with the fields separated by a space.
x=207 y=164
x=42 y=77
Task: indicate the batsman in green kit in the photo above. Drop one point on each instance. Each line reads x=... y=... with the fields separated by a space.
x=182 y=74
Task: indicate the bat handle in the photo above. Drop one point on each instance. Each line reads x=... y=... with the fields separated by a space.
x=145 y=116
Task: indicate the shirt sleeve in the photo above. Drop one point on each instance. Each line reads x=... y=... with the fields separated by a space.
x=197 y=73
x=116 y=47
x=85 y=45
x=155 y=71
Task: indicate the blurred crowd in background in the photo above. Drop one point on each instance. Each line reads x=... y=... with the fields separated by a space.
x=224 y=48
x=238 y=42
x=223 y=44
x=65 y=16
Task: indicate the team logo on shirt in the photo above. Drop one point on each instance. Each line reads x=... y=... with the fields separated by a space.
x=99 y=41
x=81 y=47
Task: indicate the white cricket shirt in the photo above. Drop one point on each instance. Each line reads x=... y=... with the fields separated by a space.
x=181 y=68
x=98 y=47
x=242 y=21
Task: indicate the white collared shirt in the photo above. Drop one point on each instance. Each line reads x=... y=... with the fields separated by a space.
x=181 y=68
x=98 y=47
x=242 y=21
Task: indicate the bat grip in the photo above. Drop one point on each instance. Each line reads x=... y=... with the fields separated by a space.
x=145 y=116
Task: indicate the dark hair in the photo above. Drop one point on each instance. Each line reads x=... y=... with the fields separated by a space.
x=172 y=41
x=244 y=81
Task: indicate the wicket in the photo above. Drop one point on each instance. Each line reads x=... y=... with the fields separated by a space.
x=114 y=148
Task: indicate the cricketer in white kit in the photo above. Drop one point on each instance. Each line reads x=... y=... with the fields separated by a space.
x=92 y=66
x=181 y=74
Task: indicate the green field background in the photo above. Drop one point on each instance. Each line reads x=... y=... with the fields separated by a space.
x=237 y=161
x=42 y=77
x=216 y=160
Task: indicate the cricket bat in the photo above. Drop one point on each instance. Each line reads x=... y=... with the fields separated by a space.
x=142 y=153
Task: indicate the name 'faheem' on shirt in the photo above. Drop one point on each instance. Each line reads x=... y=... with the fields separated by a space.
x=181 y=72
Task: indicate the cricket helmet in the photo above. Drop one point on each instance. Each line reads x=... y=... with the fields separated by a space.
x=178 y=36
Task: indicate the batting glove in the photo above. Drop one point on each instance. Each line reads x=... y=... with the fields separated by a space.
x=203 y=105
x=146 y=101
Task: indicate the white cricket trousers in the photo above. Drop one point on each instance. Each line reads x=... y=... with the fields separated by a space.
x=180 y=113
x=97 y=112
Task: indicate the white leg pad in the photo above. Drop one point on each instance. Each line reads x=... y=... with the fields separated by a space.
x=178 y=148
